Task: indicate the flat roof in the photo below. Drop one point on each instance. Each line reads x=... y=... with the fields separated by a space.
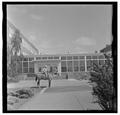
x=82 y=54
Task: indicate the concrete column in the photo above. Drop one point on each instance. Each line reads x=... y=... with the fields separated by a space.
x=59 y=68
x=36 y=67
x=22 y=66
x=85 y=64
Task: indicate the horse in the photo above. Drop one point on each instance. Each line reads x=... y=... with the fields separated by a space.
x=43 y=76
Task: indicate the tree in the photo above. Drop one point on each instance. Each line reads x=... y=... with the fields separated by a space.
x=13 y=53
x=103 y=88
x=16 y=43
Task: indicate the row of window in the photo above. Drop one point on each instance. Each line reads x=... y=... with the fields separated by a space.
x=39 y=58
x=25 y=67
x=66 y=66
x=69 y=66
x=82 y=57
x=76 y=66
x=66 y=57
x=26 y=59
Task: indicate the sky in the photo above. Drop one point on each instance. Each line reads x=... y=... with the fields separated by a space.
x=59 y=29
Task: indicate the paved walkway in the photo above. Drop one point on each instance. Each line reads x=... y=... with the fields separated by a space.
x=63 y=95
x=22 y=83
x=60 y=101
x=54 y=83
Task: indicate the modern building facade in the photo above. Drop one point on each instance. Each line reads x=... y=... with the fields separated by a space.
x=61 y=63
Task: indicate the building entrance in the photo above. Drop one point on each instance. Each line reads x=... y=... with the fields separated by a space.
x=51 y=69
x=54 y=69
x=53 y=66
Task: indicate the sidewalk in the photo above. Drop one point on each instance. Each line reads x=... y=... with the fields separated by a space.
x=21 y=84
x=61 y=101
x=54 y=83
x=63 y=95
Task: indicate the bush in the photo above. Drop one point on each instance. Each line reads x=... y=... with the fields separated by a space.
x=103 y=88
x=22 y=93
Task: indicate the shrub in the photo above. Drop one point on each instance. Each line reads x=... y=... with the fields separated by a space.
x=22 y=93
x=103 y=88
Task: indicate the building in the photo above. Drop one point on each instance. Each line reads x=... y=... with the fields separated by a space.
x=63 y=63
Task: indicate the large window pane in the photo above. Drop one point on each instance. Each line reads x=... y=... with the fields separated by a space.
x=63 y=58
x=63 y=63
x=40 y=69
x=25 y=70
x=63 y=66
x=69 y=57
x=56 y=57
x=94 y=57
x=30 y=59
x=82 y=65
x=89 y=65
x=38 y=58
x=69 y=65
x=50 y=57
x=76 y=66
x=75 y=57
x=31 y=70
x=25 y=59
x=88 y=57
x=81 y=57
x=31 y=64
x=44 y=57
x=25 y=64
